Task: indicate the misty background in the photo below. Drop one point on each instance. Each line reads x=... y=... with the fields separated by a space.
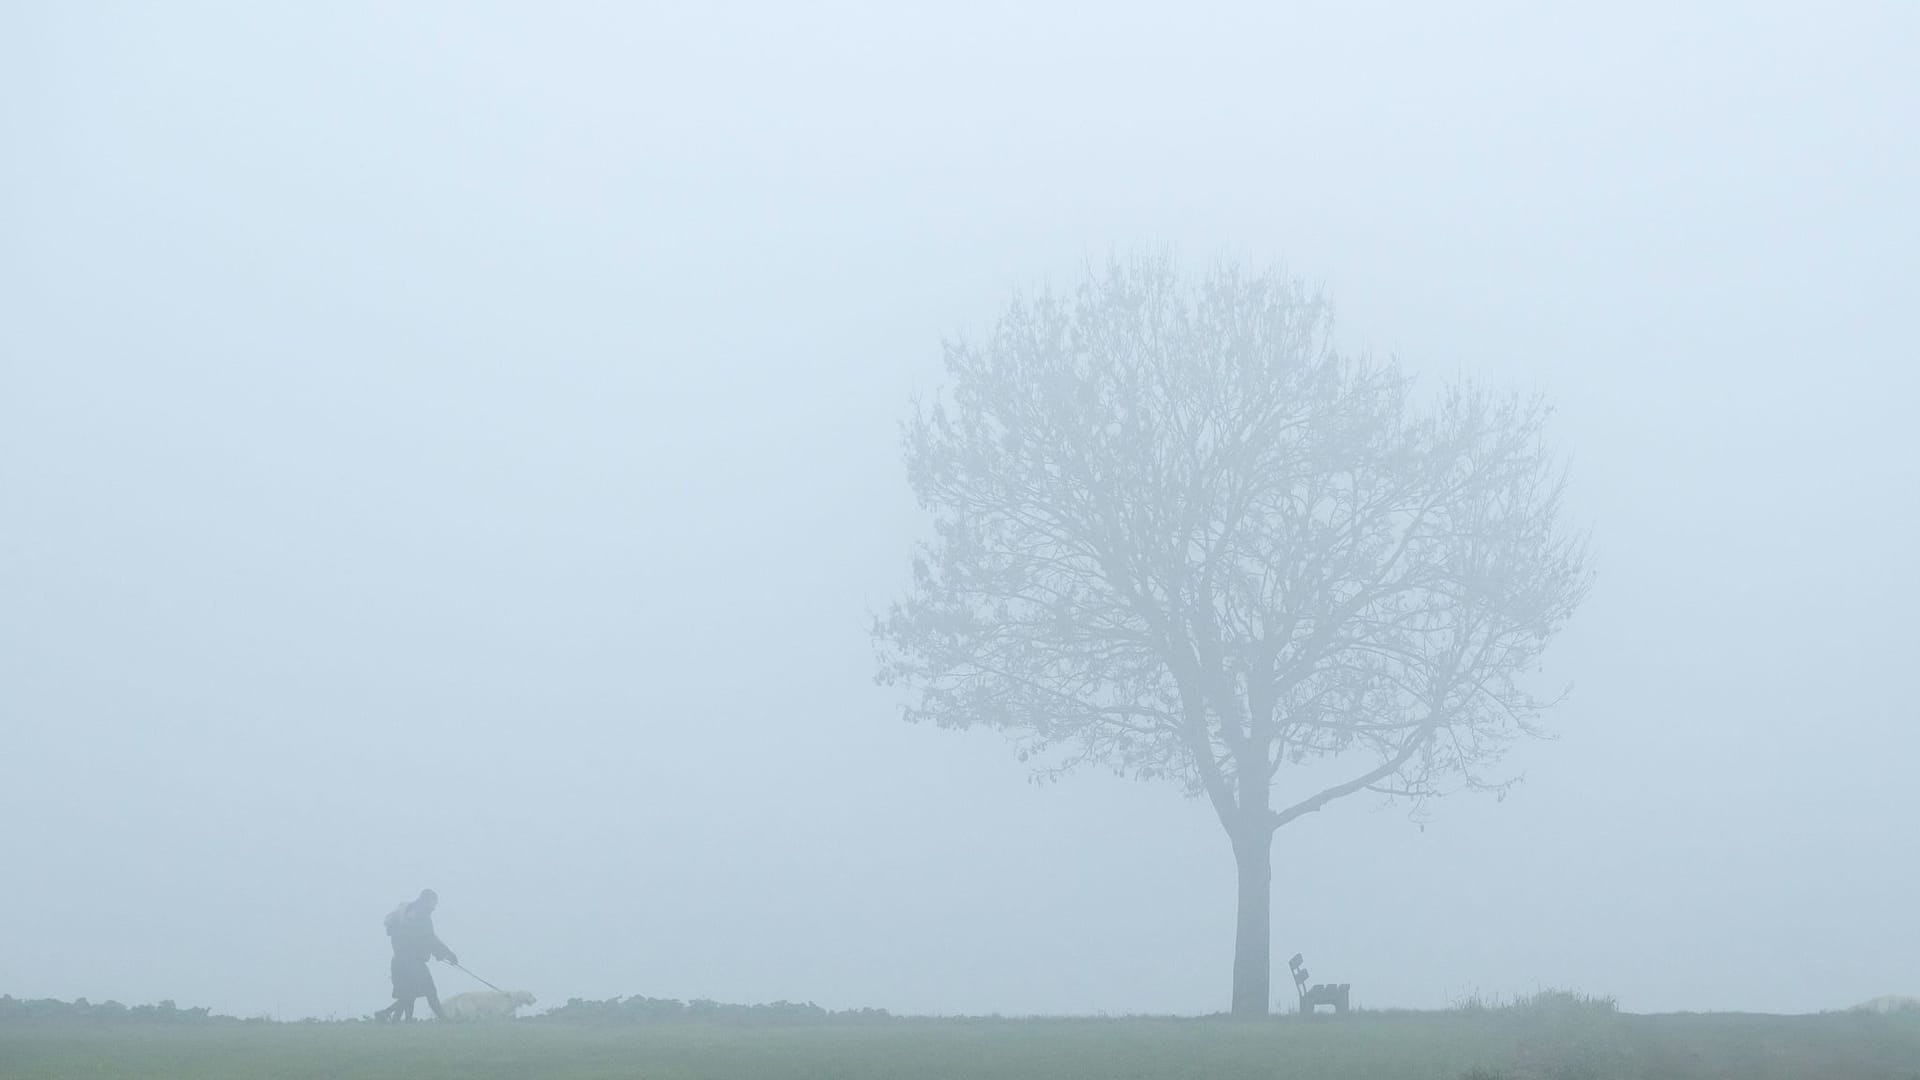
x=455 y=445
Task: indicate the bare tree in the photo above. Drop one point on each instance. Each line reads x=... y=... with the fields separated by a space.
x=1178 y=534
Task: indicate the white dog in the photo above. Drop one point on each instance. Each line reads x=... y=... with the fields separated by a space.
x=485 y=1004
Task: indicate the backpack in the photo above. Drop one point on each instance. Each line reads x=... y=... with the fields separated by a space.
x=396 y=917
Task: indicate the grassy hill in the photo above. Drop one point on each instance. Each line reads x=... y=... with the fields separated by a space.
x=1521 y=1045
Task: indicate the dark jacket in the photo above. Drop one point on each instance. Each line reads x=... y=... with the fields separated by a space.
x=414 y=941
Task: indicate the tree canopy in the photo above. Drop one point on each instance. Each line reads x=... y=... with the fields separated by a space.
x=1179 y=534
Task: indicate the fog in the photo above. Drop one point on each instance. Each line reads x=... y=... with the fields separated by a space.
x=457 y=446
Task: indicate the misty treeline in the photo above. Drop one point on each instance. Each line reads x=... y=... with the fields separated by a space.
x=610 y=1012
x=647 y=1010
x=51 y=1010
x=1178 y=534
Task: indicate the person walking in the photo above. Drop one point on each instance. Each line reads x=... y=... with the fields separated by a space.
x=414 y=943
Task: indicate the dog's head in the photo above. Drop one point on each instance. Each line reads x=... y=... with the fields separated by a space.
x=520 y=997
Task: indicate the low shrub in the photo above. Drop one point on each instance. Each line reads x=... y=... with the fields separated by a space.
x=646 y=1010
x=54 y=1011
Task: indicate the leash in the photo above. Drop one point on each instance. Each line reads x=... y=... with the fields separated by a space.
x=483 y=982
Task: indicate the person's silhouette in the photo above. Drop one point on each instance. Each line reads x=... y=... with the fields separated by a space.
x=411 y=927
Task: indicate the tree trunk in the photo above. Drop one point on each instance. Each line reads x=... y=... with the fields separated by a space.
x=1252 y=939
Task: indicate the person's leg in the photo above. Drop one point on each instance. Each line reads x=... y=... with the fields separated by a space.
x=433 y=1000
x=410 y=979
x=397 y=972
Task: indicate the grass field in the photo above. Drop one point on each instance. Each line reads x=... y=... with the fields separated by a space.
x=1422 y=1046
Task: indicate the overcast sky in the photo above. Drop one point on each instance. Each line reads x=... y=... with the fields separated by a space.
x=457 y=446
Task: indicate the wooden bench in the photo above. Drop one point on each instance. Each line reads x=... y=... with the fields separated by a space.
x=1332 y=994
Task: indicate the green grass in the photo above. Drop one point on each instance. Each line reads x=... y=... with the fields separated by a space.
x=1414 y=1046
